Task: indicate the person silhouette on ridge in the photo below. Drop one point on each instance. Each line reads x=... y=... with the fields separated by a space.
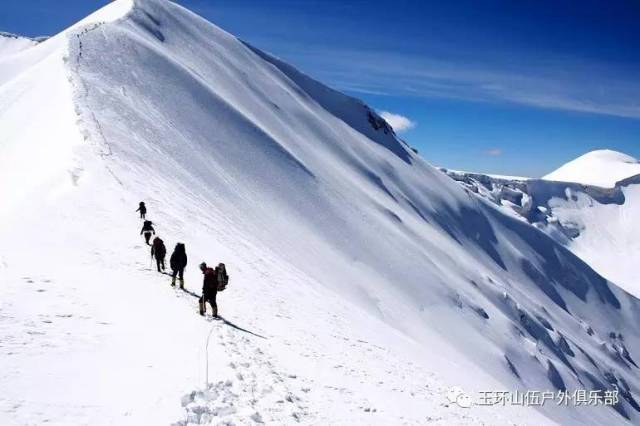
x=142 y=209
x=178 y=262
x=159 y=251
x=147 y=230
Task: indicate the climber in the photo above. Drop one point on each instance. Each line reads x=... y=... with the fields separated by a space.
x=209 y=290
x=147 y=230
x=142 y=209
x=178 y=262
x=159 y=251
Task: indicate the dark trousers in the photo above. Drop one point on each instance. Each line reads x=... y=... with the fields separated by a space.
x=178 y=273
x=142 y=215
x=147 y=237
x=211 y=298
x=160 y=263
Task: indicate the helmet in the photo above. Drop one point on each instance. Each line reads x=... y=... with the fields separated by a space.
x=203 y=266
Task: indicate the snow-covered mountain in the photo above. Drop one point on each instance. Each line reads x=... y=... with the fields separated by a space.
x=598 y=224
x=597 y=168
x=364 y=282
x=12 y=43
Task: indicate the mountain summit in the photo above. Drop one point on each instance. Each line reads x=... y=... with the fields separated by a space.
x=366 y=286
x=599 y=168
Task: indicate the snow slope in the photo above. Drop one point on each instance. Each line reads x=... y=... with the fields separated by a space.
x=365 y=283
x=609 y=238
x=598 y=224
x=597 y=168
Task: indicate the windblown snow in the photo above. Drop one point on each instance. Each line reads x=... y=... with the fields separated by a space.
x=597 y=168
x=365 y=284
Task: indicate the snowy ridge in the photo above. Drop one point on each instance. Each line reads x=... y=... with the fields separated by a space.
x=597 y=168
x=481 y=176
x=368 y=272
x=346 y=108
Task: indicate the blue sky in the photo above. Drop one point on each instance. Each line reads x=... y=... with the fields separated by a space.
x=511 y=87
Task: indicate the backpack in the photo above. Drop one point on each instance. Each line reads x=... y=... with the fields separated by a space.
x=222 y=277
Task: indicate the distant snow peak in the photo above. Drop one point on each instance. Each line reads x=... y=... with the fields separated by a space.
x=602 y=167
x=10 y=35
x=594 y=222
x=12 y=43
x=38 y=39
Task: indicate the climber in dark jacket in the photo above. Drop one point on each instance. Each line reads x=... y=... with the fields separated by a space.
x=178 y=262
x=142 y=209
x=209 y=290
x=147 y=230
x=159 y=251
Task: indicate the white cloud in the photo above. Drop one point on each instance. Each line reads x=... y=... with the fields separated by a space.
x=400 y=123
x=542 y=80
x=494 y=152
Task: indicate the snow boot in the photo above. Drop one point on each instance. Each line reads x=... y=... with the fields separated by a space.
x=181 y=284
x=203 y=308
x=173 y=281
x=215 y=311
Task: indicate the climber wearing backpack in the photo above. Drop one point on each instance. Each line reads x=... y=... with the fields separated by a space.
x=215 y=280
x=209 y=290
x=142 y=209
x=147 y=230
x=159 y=251
x=178 y=262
